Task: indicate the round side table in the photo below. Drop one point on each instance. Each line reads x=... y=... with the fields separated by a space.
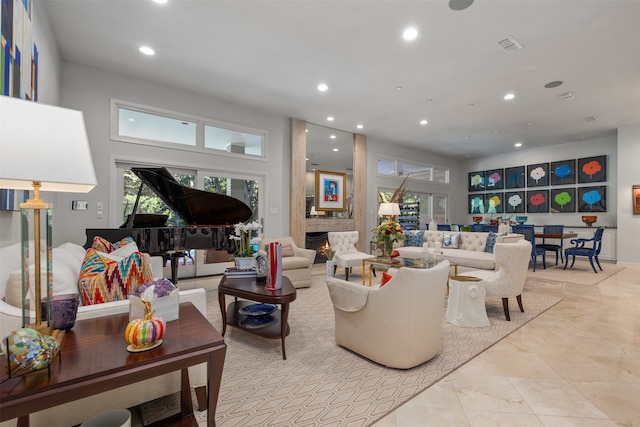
x=465 y=307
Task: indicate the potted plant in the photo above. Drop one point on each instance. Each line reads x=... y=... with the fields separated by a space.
x=386 y=234
x=245 y=251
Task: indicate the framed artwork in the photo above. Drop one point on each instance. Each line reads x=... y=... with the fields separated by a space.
x=538 y=175
x=10 y=199
x=636 y=199
x=476 y=181
x=493 y=179
x=592 y=199
x=514 y=201
x=493 y=203
x=538 y=201
x=331 y=189
x=563 y=172
x=476 y=203
x=514 y=177
x=563 y=200
x=592 y=169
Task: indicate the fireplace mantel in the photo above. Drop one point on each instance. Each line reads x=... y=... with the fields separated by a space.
x=314 y=225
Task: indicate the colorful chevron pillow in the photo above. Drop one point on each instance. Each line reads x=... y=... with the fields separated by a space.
x=104 y=279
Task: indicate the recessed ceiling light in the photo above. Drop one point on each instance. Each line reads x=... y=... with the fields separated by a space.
x=467 y=137
x=330 y=118
x=553 y=84
x=335 y=149
x=146 y=50
x=398 y=87
x=359 y=126
x=530 y=124
x=322 y=87
x=332 y=137
x=518 y=144
x=307 y=159
x=496 y=131
x=424 y=122
x=459 y=4
x=410 y=34
x=509 y=96
x=161 y=1
x=429 y=100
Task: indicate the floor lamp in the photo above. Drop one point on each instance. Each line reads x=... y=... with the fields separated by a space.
x=42 y=148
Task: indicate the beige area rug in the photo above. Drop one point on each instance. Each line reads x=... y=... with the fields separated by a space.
x=581 y=273
x=321 y=384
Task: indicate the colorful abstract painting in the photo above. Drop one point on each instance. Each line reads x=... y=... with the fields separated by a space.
x=592 y=169
x=563 y=172
x=514 y=177
x=494 y=179
x=476 y=203
x=592 y=199
x=18 y=55
x=538 y=201
x=538 y=175
x=476 y=181
x=514 y=202
x=493 y=203
x=563 y=200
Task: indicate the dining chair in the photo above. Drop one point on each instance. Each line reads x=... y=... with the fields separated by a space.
x=553 y=247
x=529 y=234
x=477 y=227
x=581 y=248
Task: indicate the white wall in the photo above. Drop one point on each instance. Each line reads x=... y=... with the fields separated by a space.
x=90 y=90
x=574 y=150
x=628 y=238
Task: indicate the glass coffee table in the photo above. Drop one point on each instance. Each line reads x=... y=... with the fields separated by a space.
x=383 y=264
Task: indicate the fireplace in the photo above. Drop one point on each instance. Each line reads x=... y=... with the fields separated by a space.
x=317 y=242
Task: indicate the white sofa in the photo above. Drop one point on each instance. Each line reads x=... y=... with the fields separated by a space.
x=471 y=248
x=67 y=260
x=296 y=267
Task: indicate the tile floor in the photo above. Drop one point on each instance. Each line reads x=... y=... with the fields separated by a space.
x=578 y=364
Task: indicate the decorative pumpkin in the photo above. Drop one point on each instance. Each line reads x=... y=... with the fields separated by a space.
x=147 y=333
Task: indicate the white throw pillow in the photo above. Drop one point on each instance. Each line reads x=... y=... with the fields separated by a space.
x=451 y=240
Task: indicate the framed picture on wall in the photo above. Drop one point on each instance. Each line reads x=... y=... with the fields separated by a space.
x=10 y=199
x=476 y=181
x=331 y=188
x=494 y=179
x=514 y=202
x=476 y=203
x=493 y=203
x=514 y=177
x=563 y=172
x=538 y=175
x=592 y=199
x=538 y=201
x=636 y=199
x=592 y=169
x=562 y=200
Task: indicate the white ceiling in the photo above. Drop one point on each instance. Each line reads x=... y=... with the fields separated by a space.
x=272 y=54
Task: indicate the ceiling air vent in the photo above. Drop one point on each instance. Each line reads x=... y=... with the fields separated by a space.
x=567 y=96
x=509 y=44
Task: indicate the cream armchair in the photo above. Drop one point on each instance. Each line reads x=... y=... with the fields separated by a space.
x=397 y=325
x=297 y=263
x=507 y=280
x=346 y=253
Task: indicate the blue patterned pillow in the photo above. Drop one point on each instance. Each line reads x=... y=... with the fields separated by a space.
x=451 y=240
x=491 y=242
x=414 y=238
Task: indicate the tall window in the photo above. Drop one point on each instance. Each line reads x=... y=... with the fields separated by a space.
x=424 y=172
x=417 y=209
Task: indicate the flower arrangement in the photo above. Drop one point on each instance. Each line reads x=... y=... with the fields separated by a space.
x=155 y=289
x=387 y=233
x=242 y=235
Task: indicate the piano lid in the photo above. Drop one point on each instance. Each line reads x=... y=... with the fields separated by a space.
x=195 y=207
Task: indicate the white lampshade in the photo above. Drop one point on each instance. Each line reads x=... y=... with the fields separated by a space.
x=45 y=144
x=391 y=209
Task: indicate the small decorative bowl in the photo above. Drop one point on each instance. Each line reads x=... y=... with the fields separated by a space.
x=477 y=219
x=521 y=219
x=589 y=219
x=64 y=309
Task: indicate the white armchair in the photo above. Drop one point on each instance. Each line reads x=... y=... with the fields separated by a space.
x=346 y=253
x=507 y=280
x=397 y=325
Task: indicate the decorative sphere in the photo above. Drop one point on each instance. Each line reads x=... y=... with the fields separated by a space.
x=29 y=349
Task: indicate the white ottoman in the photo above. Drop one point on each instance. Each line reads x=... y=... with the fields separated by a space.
x=465 y=307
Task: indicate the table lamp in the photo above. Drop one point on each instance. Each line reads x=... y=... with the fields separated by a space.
x=389 y=210
x=44 y=148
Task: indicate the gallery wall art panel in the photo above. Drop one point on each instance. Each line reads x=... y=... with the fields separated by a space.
x=514 y=177
x=538 y=201
x=515 y=202
x=592 y=199
x=476 y=181
x=476 y=204
x=538 y=175
x=18 y=59
x=563 y=200
x=592 y=169
x=563 y=172
x=493 y=202
x=494 y=179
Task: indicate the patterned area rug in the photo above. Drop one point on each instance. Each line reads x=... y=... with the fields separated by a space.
x=581 y=273
x=321 y=384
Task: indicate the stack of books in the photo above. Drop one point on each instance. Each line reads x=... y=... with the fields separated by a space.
x=234 y=272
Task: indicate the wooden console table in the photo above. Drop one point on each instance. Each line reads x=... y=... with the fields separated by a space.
x=95 y=359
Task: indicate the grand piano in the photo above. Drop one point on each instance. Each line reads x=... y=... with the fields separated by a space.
x=209 y=218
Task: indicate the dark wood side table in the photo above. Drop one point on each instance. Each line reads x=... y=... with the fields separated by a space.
x=249 y=288
x=95 y=359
